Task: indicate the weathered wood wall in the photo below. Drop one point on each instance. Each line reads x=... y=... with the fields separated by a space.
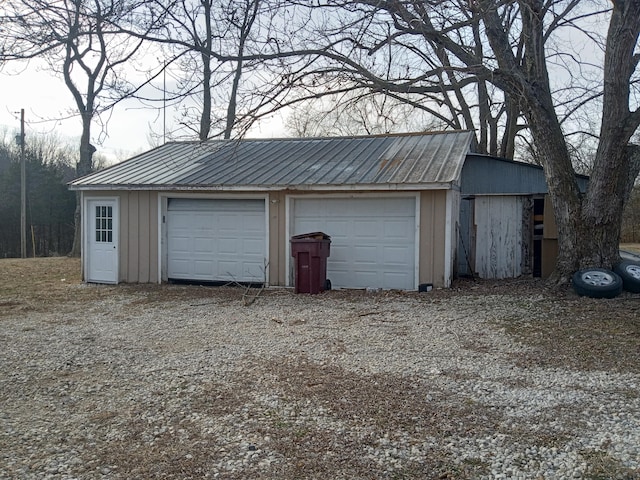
x=499 y=224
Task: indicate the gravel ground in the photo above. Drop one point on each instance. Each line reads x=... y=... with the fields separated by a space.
x=190 y=382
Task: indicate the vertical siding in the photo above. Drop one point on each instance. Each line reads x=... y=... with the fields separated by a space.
x=451 y=243
x=146 y=241
x=144 y=221
x=123 y=270
x=498 y=223
x=278 y=240
x=133 y=236
x=433 y=207
x=154 y=226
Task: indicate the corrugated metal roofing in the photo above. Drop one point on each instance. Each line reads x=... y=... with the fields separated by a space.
x=411 y=159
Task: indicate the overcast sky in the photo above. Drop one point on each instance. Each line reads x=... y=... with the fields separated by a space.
x=49 y=107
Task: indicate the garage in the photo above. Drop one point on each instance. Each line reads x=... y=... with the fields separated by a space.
x=226 y=209
x=373 y=240
x=216 y=239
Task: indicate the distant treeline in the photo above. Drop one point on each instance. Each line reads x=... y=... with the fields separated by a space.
x=50 y=205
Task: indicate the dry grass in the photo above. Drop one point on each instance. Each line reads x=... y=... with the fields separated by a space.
x=47 y=278
x=631 y=247
x=581 y=333
x=39 y=284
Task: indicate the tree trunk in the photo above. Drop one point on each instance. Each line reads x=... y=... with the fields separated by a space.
x=616 y=165
x=84 y=167
x=205 y=117
x=233 y=99
x=507 y=149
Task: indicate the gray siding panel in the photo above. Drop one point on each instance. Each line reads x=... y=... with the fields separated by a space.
x=490 y=175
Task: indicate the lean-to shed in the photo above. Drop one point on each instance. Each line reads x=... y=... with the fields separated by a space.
x=506 y=225
x=224 y=210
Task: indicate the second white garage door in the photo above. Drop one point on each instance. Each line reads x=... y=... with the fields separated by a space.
x=373 y=240
x=216 y=240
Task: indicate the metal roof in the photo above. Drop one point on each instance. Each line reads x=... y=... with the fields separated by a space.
x=393 y=160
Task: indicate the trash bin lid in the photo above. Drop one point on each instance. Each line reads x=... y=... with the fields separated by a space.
x=312 y=235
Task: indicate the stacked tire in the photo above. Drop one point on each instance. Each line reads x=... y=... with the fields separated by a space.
x=604 y=283
x=630 y=274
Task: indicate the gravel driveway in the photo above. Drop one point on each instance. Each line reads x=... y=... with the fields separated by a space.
x=189 y=382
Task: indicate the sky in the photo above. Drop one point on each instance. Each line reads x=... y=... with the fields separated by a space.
x=49 y=108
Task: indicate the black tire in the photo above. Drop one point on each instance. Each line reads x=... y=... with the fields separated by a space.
x=630 y=274
x=597 y=283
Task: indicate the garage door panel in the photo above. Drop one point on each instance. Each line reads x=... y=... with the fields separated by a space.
x=252 y=221
x=398 y=228
x=391 y=278
x=341 y=228
x=228 y=246
x=228 y=270
x=367 y=229
x=338 y=253
x=365 y=253
x=229 y=223
x=202 y=268
x=368 y=278
x=253 y=247
x=396 y=207
x=215 y=240
x=202 y=245
x=306 y=225
x=181 y=244
x=396 y=255
x=339 y=277
x=254 y=271
x=181 y=267
x=372 y=239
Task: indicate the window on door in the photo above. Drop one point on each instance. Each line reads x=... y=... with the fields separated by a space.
x=104 y=224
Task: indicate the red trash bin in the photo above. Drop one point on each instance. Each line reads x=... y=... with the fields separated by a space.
x=310 y=251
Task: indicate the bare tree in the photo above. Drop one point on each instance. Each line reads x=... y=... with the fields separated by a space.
x=79 y=40
x=227 y=61
x=369 y=46
x=356 y=112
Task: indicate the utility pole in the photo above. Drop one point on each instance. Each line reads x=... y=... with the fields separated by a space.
x=23 y=192
x=164 y=103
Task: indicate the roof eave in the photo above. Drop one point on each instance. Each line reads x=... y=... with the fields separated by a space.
x=269 y=188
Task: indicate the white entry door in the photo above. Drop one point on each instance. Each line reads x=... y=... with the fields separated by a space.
x=102 y=241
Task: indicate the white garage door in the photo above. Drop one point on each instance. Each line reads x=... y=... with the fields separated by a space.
x=372 y=239
x=216 y=240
